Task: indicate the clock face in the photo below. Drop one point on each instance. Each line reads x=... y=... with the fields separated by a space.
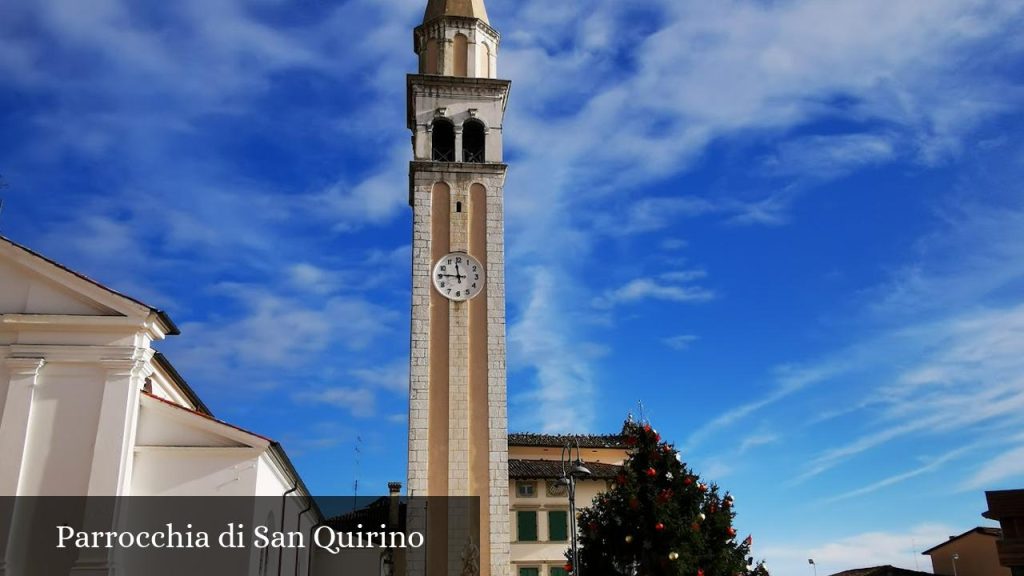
x=458 y=276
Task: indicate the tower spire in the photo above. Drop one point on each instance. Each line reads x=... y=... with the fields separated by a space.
x=455 y=39
x=463 y=8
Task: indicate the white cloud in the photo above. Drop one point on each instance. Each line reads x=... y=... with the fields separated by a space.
x=931 y=466
x=360 y=402
x=826 y=157
x=1005 y=469
x=759 y=439
x=901 y=549
x=653 y=289
x=561 y=399
x=393 y=376
x=374 y=200
x=274 y=330
x=680 y=341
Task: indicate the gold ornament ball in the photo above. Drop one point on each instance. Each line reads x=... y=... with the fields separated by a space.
x=629 y=538
x=673 y=556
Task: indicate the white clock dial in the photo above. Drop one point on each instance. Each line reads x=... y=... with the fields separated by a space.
x=458 y=276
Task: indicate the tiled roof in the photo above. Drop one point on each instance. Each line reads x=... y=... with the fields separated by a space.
x=994 y=532
x=886 y=570
x=547 y=469
x=559 y=440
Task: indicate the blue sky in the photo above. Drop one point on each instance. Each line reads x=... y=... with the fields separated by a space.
x=794 y=230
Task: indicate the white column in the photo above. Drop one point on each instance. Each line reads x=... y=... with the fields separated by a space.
x=458 y=152
x=14 y=423
x=24 y=375
x=115 y=432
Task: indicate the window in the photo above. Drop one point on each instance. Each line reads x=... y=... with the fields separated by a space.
x=526 y=526
x=443 y=141
x=557 y=571
x=526 y=489
x=558 y=521
x=529 y=572
x=473 y=141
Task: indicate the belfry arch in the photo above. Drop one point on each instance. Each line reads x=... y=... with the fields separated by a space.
x=474 y=141
x=442 y=140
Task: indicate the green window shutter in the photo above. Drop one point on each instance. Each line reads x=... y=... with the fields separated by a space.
x=558 y=521
x=559 y=571
x=527 y=526
x=529 y=572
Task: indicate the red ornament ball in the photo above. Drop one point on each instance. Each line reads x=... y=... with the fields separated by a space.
x=659 y=526
x=568 y=567
x=688 y=480
x=700 y=572
x=732 y=532
x=651 y=472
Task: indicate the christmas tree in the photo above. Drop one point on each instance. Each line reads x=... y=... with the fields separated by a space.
x=661 y=519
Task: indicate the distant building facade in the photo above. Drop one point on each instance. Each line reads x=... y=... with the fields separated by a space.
x=972 y=553
x=539 y=505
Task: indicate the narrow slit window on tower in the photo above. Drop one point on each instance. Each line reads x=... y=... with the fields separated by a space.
x=443 y=141
x=458 y=206
x=473 y=141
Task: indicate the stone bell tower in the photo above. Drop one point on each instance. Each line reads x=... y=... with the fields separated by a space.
x=457 y=407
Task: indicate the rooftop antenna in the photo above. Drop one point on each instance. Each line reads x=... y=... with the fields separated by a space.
x=913 y=544
x=357 y=453
x=640 y=410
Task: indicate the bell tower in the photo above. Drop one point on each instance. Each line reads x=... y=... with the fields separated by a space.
x=457 y=407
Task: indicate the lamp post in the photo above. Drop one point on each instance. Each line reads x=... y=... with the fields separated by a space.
x=813 y=565
x=572 y=469
x=955 y=558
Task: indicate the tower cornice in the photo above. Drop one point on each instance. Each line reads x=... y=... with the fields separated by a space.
x=451 y=86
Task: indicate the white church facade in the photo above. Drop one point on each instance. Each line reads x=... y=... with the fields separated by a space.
x=89 y=408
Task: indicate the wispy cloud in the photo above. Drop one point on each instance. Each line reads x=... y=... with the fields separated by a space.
x=561 y=397
x=680 y=341
x=1005 y=469
x=896 y=548
x=653 y=289
x=931 y=466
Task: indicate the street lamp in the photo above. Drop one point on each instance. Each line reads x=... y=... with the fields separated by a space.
x=572 y=469
x=813 y=565
x=955 y=558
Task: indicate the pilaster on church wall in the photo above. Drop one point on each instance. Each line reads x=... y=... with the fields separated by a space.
x=80 y=416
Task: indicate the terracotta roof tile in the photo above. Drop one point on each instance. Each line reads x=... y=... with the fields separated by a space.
x=549 y=469
x=559 y=440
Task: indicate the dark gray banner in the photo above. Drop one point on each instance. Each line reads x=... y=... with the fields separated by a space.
x=229 y=536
